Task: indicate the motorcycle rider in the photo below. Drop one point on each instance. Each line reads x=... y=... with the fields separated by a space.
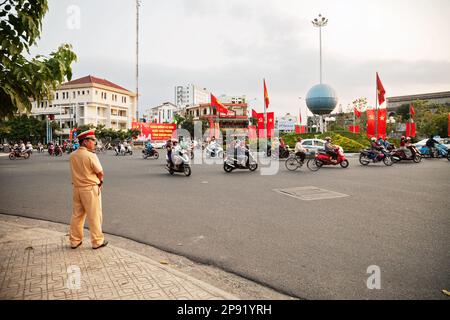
x=389 y=146
x=330 y=150
x=431 y=144
x=375 y=147
x=29 y=146
x=22 y=146
x=213 y=145
x=282 y=146
x=169 y=149
x=409 y=146
x=126 y=146
x=176 y=148
x=299 y=150
x=242 y=150
x=148 y=147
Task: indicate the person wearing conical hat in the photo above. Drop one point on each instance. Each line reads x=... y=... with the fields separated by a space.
x=87 y=181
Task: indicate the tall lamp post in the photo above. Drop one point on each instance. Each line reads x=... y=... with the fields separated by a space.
x=320 y=22
x=138 y=4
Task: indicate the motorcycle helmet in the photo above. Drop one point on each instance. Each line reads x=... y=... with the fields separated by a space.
x=408 y=138
x=373 y=139
x=403 y=138
x=328 y=139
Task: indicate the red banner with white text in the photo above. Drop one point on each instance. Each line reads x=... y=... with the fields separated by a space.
x=154 y=131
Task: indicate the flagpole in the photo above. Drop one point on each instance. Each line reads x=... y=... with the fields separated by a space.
x=354 y=122
x=376 y=106
x=265 y=112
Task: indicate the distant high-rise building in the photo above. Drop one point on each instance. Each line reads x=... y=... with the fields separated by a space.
x=186 y=96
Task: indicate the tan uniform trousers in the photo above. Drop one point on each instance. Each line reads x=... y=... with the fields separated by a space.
x=87 y=202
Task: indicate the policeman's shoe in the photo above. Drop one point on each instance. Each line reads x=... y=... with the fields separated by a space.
x=74 y=247
x=104 y=244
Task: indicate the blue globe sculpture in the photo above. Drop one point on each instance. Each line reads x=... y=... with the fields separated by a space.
x=321 y=99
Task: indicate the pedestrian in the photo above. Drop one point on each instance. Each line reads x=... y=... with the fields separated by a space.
x=87 y=181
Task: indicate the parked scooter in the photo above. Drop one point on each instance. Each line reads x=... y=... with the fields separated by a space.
x=40 y=148
x=323 y=159
x=181 y=163
x=368 y=155
x=247 y=162
x=400 y=155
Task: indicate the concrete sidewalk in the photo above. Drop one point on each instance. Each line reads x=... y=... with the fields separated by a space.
x=38 y=264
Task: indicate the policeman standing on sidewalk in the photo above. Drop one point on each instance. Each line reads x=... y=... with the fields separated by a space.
x=87 y=180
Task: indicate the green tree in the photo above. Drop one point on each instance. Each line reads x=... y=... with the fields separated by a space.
x=25 y=128
x=21 y=78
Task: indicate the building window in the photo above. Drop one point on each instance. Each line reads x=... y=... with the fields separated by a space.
x=74 y=94
x=83 y=92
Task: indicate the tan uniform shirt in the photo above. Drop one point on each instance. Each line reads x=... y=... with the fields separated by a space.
x=84 y=166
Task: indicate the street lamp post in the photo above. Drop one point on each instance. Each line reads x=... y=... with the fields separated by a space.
x=320 y=22
x=138 y=4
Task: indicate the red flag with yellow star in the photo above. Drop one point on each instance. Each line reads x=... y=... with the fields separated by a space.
x=266 y=95
x=381 y=91
x=219 y=106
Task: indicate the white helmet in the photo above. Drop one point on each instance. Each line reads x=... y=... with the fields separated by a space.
x=373 y=139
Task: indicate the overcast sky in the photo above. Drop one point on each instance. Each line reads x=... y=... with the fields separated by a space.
x=229 y=46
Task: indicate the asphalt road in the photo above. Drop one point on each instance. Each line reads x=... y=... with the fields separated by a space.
x=396 y=218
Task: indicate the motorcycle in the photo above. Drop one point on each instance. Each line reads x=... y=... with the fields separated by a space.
x=232 y=162
x=5 y=148
x=58 y=151
x=293 y=163
x=122 y=150
x=368 y=155
x=100 y=149
x=40 y=148
x=108 y=146
x=323 y=159
x=283 y=153
x=17 y=153
x=439 y=151
x=150 y=154
x=29 y=150
x=216 y=152
x=51 y=149
x=400 y=155
x=181 y=163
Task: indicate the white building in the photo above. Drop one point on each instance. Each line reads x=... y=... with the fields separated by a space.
x=89 y=100
x=232 y=99
x=186 y=96
x=162 y=114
